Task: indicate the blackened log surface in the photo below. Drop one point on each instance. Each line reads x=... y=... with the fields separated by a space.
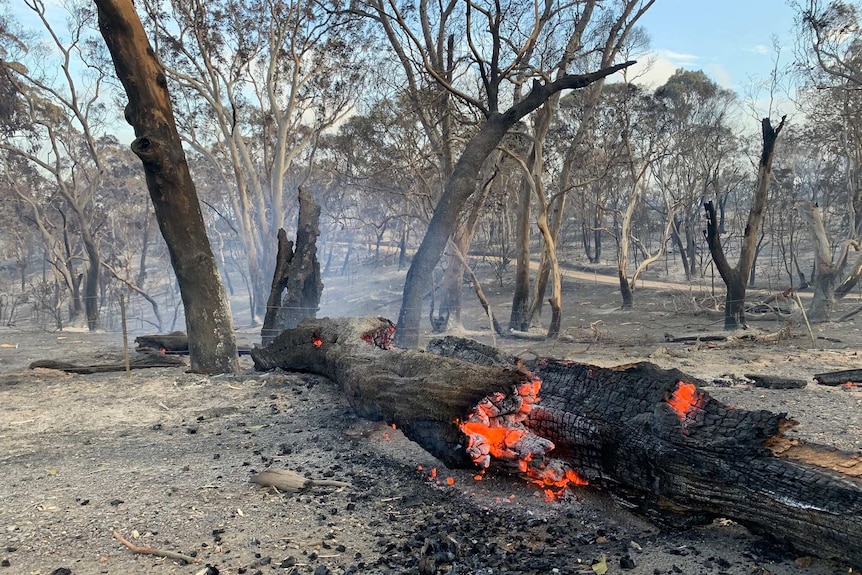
x=775 y=382
x=623 y=428
x=174 y=341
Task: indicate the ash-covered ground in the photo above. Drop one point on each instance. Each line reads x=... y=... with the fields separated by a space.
x=165 y=458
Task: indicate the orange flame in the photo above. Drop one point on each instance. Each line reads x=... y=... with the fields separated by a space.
x=316 y=341
x=685 y=399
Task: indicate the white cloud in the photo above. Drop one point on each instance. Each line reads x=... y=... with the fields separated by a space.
x=759 y=49
x=677 y=58
x=654 y=68
x=651 y=70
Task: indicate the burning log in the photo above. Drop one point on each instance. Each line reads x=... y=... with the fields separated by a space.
x=174 y=343
x=651 y=436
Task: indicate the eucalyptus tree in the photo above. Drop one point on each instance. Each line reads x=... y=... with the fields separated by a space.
x=61 y=90
x=705 y=155
x=634 y=132
x=736 y=277
x=383 y=173
x=496 y=72
x=831 y=63
x=257 y=81
x=613 y=32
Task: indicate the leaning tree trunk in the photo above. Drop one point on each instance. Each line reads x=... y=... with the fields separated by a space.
x=650 y=435
x=461 y=184
x=212 y=344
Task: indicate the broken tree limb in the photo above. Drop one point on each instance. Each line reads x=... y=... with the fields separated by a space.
x=649 y=435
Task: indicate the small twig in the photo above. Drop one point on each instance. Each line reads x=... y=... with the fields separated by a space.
x=157 y=552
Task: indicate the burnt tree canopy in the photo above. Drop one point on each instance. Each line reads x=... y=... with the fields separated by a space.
x=212 y=344
x=296 y=275
x=651 y=436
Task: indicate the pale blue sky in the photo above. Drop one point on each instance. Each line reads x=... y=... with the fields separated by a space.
x=730 y=40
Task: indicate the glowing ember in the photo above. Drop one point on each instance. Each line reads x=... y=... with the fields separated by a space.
x=382 y=338
x=495 y=430
x=316 y=341
x=685 y=399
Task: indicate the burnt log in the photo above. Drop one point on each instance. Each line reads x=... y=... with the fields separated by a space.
x=839 y=377
x=145 y=361
x=174 y=343
x=651 y=436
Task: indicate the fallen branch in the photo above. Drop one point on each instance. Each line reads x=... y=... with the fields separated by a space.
x=849 y=314
x=144 y=361
x=172 y=555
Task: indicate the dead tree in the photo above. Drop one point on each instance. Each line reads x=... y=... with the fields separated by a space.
x=736 y=278
x=651 y=436
x=297 y=274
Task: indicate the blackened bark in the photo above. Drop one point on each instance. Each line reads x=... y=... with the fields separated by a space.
x=734 y=301
x=212 y=344
x=283 y=258
x=622 y=428
x=625 y=290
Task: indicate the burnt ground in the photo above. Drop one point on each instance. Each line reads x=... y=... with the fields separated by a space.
x=165 y=457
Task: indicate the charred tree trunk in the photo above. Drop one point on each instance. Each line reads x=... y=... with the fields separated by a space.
x=283 y=259
x=521 y=292
x=296 y=271
x=736 y=279
x=212 y=344
x=625 y=289
x=650 y=435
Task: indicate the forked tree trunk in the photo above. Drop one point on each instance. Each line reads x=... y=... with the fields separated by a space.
x=297 y=272
x=649 y=435
x=212 y=344
x=827 y=270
